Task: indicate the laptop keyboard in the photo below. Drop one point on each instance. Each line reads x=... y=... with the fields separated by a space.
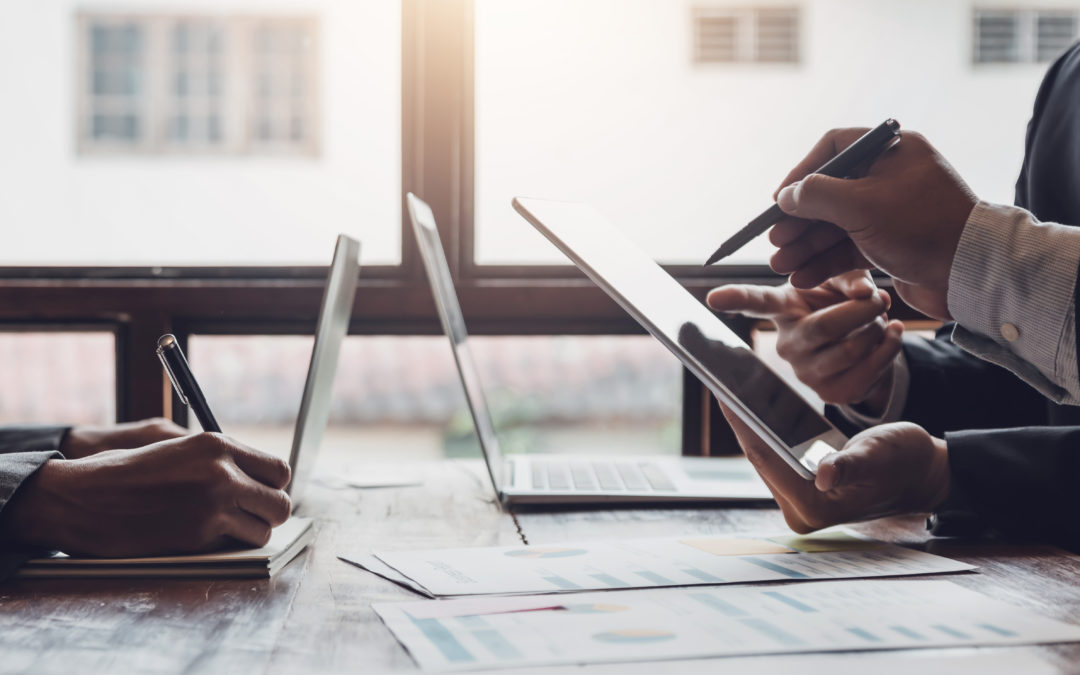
x=566 y=476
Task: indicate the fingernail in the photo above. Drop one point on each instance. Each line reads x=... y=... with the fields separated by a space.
x=788 y=199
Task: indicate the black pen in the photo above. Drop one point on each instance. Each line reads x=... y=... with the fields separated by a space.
x=176 y=366
x=867 y=148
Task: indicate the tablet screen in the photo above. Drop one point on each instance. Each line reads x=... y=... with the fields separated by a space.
x=674 y=316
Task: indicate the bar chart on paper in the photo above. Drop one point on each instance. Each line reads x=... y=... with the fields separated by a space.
x=678 y=623
x=650 y=563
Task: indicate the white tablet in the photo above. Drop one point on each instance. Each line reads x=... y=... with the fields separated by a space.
x=705 y=345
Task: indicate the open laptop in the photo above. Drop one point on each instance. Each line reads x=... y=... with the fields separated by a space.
x=569 y=479
x=333 y=324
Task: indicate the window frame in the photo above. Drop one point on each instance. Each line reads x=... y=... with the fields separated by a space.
x=142 y=303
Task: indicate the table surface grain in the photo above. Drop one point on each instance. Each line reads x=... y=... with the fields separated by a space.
x=315 y=615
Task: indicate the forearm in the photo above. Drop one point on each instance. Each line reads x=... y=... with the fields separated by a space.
x=1012 y=291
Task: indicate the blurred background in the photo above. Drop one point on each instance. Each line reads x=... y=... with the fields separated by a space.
x=161 y=154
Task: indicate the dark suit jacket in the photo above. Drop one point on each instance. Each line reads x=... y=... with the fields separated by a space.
x=1014 y=455
x=22 y=452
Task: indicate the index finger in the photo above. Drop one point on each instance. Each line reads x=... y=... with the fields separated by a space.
x=759 y=302
x=828 y=147
x=264 y=468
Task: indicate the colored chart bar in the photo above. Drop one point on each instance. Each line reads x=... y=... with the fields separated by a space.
x=789 y=601
x=443 y=640
x=780 y=569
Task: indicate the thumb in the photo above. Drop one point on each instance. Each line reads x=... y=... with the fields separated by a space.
x=856 y=463
x=821 y=197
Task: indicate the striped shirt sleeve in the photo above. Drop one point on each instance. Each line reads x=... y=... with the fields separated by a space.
x=1011 y=291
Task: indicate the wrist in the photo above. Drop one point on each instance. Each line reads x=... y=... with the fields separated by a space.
x=876 y=402
x=939 y=477
x=34 y=514
x=77 y=443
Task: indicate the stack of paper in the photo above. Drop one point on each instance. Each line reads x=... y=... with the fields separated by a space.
x=612 y=627
x=287 y=540
x=692 y=560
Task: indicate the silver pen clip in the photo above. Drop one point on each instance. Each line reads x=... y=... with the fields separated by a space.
x=172 y=376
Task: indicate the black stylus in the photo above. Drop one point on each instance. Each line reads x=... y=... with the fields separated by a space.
x=865 y=149
x=172 y=358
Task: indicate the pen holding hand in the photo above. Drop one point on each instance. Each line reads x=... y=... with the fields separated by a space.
x=842 y=164
x=904 y=217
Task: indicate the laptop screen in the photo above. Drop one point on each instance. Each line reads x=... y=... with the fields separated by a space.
x=333 y=324
x=453 y=321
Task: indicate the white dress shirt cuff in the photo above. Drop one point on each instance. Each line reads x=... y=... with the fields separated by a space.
x=1011 y=292
x=901 y=381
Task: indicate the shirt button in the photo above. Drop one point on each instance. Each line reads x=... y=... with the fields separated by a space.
x=1009 y=332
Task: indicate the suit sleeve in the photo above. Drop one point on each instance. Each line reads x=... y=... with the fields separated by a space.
x=1018 y=482
x=950 y=390
x=22 y=452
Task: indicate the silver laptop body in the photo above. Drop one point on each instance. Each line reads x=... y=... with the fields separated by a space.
x=570 y=479
x=333 y=324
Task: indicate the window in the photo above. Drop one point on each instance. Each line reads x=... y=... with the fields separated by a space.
x=1023 y=35
x=116 y=100
x=195 y=107
x=53 y=377
x=681 y=155
x=168 y=155
x=284 y=91
x=240 y=85
x=760 y=35
x=400 y=399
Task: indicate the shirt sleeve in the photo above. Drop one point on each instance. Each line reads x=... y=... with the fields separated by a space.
x=1012 y=293
x=901 y=382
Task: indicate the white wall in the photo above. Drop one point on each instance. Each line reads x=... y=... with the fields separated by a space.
x=59 y=207
x=600 y=101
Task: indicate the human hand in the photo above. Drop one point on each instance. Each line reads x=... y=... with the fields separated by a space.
x=905 y=217
x=836 y=336
x=85 y=441
x=885 y=470
x=182 y=495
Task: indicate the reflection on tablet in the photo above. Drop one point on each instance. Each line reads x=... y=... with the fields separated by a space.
x=757 y=386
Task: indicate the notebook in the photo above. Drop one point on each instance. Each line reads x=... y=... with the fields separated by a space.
x=286 y=541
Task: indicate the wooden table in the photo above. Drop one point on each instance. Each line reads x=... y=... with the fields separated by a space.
x=315 y=616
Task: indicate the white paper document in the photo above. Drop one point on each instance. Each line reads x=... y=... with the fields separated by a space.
x=691 y=560
x=682 y=623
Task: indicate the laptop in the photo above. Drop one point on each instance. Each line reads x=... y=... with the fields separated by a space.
x=796 y=431
x=333 y=324
x=562 y=478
